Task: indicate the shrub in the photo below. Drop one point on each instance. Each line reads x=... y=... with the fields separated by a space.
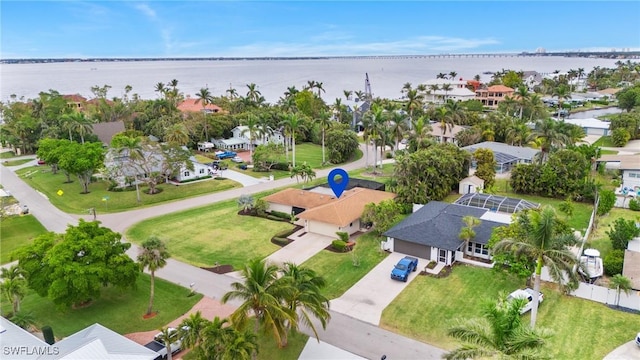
x=281 y=215
x=280 y=241
x=634 y=205
x=339 y=245
x=606 y=202
x=621 y=232
x=342 y=235
x=613 y=262
x=620 y=137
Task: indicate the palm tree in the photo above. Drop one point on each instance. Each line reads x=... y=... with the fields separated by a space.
x=499 y=334
x=433 y=89
x=562 y=93
x=397 y=128
x=191 y=330
x=467 y=233
x=549 y=135
x=446 y=88
x=264 y=128
x=452 y=75
x=456 y=113
x=522 y=96
x=205 y=98
x=253 y=94
x=153 y=256
x=337 y=109
x=537 y=108
x=441 y=76
x=324 y=121
x=177 y=134
x=320 y=88
x=376 y=124
x=168 y=337
x=262 y=296
x=232 y=93
x=546 y=247
x=292 y=123
x=252 y=129
x=241 y=346
x=618 y=282
x=132 y=148
x=347 y=94
x=414 y=101
x=305 y=299
x=517 y=133
x=421 y=132
x=161 y=89
x=291 y=91
x=13 y=286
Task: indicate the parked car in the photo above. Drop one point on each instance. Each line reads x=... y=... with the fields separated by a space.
x=226 y=155
x=402 y=269
x=638 y=339
x=157 y=344
x=41 y=162
x=237 y=159
x=527 y=294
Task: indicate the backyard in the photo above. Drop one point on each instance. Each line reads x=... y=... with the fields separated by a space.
x=73 y=201
x=216 y=234
x=428 y=306
x=599 y=239
x=119 y=310
x=16 y=232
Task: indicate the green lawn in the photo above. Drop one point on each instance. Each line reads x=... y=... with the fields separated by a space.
x=599 y=239
x=582 y=329
x=16 y=162
x=119 y=310
x=72 y=201
x=604 y=141
x=581 y=211
x=16 y=232
x=7 y=154
x=608 y=152
x=215 y=234
x=339 y=269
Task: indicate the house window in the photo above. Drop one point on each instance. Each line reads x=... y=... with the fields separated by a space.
x=201 y=171
x=186 y=173
x=634 y=175
x=470 y=247
x=480 y=249
x=351 y=224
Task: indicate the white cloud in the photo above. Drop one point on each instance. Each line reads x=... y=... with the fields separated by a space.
x=147 y=11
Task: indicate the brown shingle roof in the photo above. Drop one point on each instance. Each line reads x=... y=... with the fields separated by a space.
x=105 y=131
x=190 y=105
x=299 y=198
x=347 y=208
x=75 y=98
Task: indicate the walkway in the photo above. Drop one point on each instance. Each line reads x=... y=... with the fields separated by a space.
x=304 y=246
x=243 y=179
x=343 y=331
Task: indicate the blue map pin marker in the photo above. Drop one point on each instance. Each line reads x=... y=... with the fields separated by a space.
x=338 y=186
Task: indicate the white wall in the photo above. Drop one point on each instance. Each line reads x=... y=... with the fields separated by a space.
x=321 y=228
x=279 y=207
x=628 y=180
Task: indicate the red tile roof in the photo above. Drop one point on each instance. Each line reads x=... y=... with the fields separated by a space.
x=500 y=88
x=76 y=98
x=190 y=105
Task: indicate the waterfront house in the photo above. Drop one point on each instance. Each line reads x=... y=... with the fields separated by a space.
x=493 y=95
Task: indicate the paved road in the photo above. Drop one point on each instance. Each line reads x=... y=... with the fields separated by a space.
x=343 y=331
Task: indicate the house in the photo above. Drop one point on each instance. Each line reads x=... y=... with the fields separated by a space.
x=321 y=212
x=459 y=90
x=445 y=135
x=431 y=233
x=506 y=156
x=193 y=105
x=121 y=169
x=471 y=184
x=240 y=139
x=106 y=130
x=493 y=95
x=75 y=101
x=629 y=166
x=591 y=126
x=93 y=342
x=531 y=79
x=205 y=146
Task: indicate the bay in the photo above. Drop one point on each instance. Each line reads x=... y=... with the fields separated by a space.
x=387 y=75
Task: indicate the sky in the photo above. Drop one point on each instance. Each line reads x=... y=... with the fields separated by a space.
x=130 y=29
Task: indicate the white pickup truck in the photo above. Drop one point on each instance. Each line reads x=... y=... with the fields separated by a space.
x=158 y=345
x=528 y=295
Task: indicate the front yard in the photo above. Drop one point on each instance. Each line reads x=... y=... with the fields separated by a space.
x=339 y=269
x=210 y=234
x=73 y=201
x=582 y=329
x=16 y=232
x=119 y=310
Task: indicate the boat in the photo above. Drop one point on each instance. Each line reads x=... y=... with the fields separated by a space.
x=591 y=264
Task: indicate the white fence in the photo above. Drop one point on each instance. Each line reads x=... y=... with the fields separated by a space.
x=608 y=296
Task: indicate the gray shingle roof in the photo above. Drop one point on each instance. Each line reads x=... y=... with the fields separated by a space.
x=438 y=224
x=504 y=152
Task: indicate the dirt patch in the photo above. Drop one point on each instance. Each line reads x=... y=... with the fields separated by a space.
x=220 y=269
x=150 y=316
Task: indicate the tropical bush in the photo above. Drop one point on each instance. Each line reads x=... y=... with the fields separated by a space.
x=613 y=262
x=606 y=202
x=634 y=205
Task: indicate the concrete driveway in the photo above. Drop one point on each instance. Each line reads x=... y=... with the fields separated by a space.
x=301 y=249
x=373 y=293
x=627 y=351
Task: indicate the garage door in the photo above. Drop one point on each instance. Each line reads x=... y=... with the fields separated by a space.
x=405 y=247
